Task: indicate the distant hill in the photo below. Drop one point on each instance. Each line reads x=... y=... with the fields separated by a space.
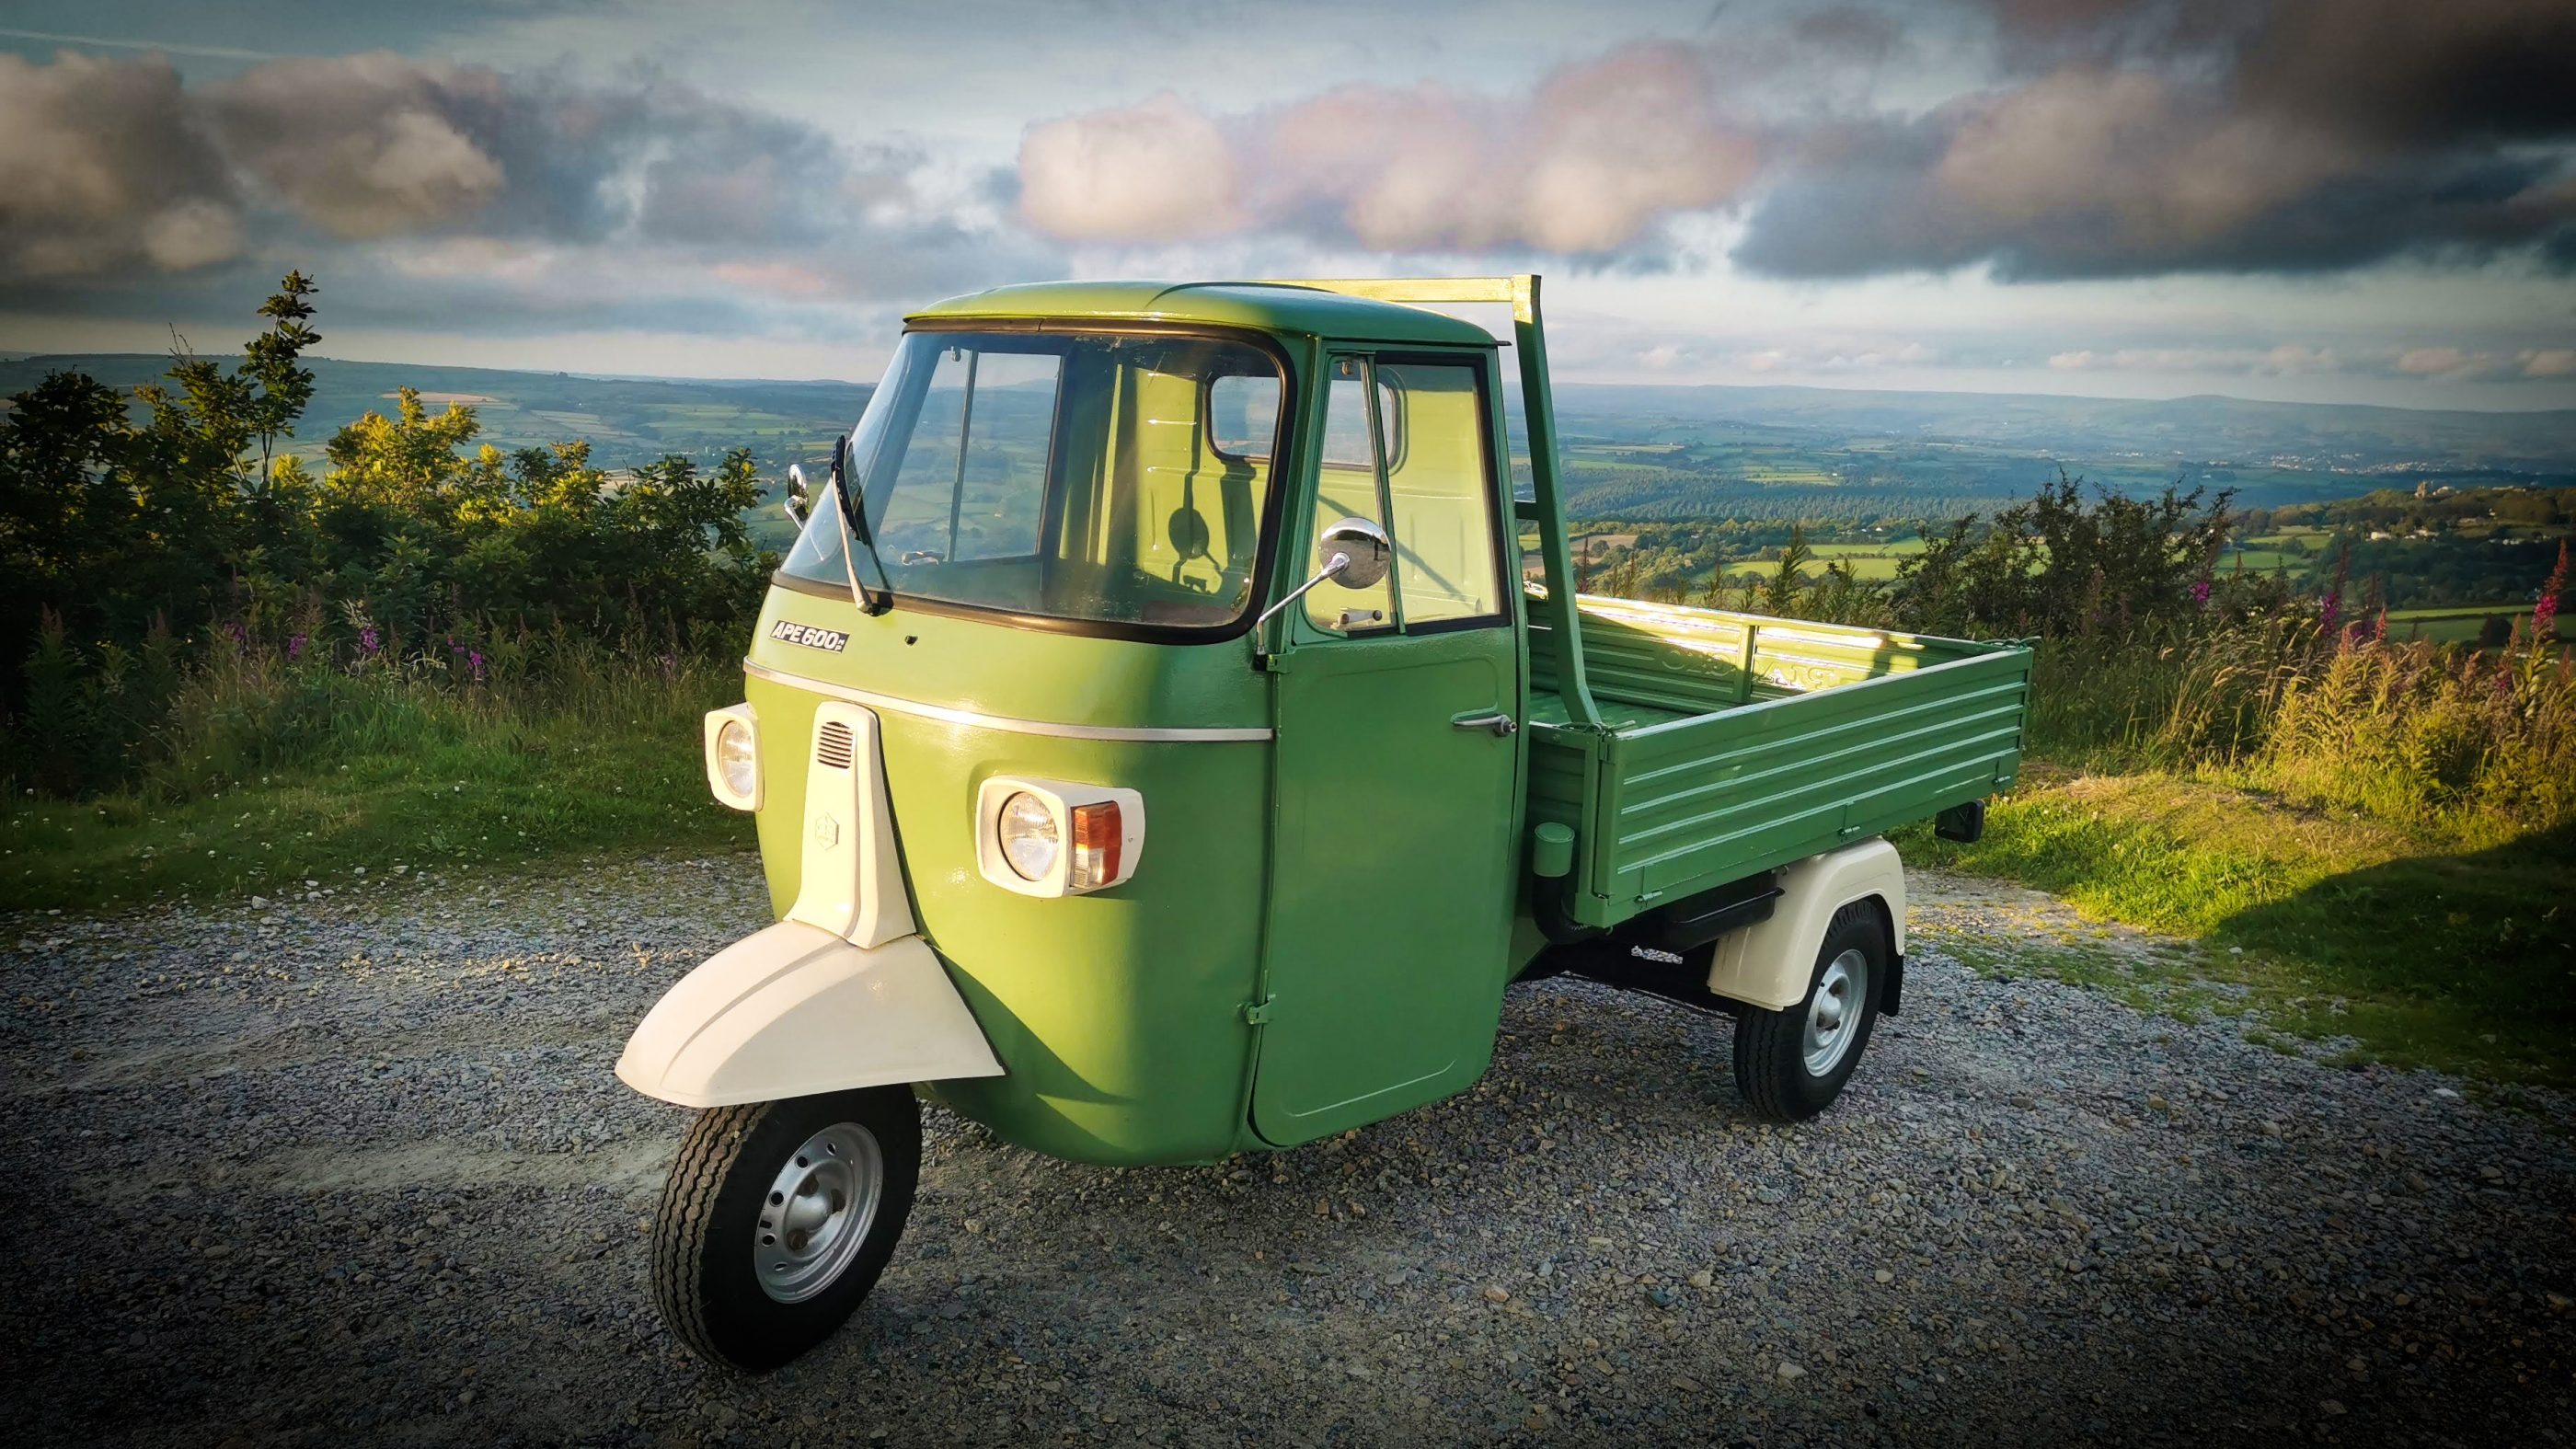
x=2198 y=430
x=627 y=420
x=1754 y=451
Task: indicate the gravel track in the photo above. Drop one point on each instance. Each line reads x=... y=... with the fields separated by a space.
x=352 y=1168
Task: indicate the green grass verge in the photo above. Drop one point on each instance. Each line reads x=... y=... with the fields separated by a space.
x=617 y=772
x=2422 y=953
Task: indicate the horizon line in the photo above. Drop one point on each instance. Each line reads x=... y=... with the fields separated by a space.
x=1561 y=382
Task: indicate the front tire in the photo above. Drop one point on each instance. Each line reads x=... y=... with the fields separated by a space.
x=1791 y=1064
x=779 y=1216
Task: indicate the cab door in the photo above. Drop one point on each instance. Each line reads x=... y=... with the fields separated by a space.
x=1398 y=762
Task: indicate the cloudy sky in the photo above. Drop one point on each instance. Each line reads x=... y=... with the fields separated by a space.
x=2334 y=200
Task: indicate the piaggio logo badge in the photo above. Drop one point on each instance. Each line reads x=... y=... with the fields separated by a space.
x=789 y=631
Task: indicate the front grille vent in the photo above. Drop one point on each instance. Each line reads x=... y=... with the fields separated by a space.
x=832 y=745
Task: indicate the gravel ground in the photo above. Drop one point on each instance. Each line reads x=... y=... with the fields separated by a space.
x=352 y=1168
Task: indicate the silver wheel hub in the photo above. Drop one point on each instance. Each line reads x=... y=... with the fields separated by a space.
x=817 y=1212
x=1834 y=1010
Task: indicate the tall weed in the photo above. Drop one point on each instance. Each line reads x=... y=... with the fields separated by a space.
x=2415 y=733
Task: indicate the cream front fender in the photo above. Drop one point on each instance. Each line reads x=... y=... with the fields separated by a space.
x=795 y=1010
x=1770 y=962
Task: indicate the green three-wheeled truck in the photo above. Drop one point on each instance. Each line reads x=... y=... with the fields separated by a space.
x=1157 y=754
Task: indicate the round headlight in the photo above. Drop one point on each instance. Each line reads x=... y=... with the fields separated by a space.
x=735 y=759
x=1029 y=840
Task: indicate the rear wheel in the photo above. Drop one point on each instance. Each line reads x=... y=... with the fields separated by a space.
x=1791 y=1064
x=778 y=1217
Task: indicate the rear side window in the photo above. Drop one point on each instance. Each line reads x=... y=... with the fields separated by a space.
x=1427 y=479
x=1441 y=490
x=1347 y=486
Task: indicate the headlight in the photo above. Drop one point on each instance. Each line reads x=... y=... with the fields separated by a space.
x=1029 y=839
x=736 y=757
x=1056 y=838
x=733 y=757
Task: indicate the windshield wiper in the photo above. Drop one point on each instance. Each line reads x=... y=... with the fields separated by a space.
x=854 y=525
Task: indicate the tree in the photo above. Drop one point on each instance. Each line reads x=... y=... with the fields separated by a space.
x=274 y=361
x=1780 y=591
x=2058 y=566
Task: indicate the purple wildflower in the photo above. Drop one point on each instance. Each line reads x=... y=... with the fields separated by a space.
x=295 y=647
x=474 y=664
x=368 y=642
x=2200 y=594
x=235 y=632
x=2544 y=615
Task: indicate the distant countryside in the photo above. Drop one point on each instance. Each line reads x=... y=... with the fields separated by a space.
x=2455 y=514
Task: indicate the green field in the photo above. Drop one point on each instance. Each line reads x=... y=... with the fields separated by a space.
x=2452 y=624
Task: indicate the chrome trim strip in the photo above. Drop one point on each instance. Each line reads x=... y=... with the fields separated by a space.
x=967 y=717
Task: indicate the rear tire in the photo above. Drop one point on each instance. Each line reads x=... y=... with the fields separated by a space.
x=1791 y=1064
x=777 y=1219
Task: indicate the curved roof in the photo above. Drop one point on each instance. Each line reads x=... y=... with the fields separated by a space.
x=1268 y=306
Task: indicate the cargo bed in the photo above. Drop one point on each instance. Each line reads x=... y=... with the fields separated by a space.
x=1732 y=743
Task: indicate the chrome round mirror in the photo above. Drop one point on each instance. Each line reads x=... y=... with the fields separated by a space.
x=795 y=502
x=1363 y=548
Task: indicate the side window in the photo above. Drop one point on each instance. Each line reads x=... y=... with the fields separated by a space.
x=1346 y=486
x=1243 y=416
x=1441 y=487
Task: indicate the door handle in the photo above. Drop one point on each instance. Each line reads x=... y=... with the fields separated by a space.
x=1497 y=723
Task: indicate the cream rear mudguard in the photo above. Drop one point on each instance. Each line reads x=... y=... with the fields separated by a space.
x=1770 y=962
x=841 y=994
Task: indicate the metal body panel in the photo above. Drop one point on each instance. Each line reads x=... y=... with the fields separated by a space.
x=1394 y=875
x=1710 y=771
x=851 y=883
x=1298 y=308
x=1769 y=962
x=1118 y=1014
x=793 y=1010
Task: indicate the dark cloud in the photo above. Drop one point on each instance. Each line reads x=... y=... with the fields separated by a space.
x=105 y=166
x=381 y=145
x=426 y=191
x=367 y=145
x=1849 y=30
x=2193 y=135
x=2408 y=75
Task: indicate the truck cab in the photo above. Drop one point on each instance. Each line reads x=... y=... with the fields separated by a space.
x=1157 y=754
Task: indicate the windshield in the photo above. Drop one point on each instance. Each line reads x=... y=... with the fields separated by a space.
x=1109 y=478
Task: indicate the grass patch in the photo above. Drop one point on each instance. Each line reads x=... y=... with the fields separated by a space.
x=2423 y=951
x=410 y=774
x=2180 y=986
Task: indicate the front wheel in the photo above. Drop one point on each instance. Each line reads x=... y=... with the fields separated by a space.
x=1791 y=1064
x=778 y=1217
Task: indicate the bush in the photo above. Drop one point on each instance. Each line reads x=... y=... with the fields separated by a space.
x=180 y=604
x=2061 y=569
